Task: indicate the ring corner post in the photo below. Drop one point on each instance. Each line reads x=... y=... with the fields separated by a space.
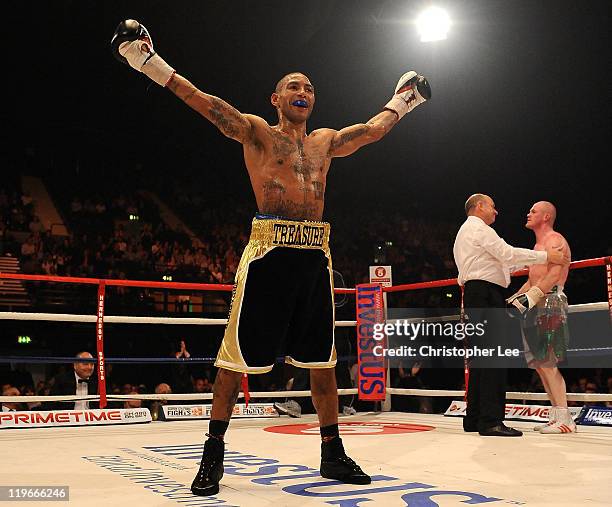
x=100 y=363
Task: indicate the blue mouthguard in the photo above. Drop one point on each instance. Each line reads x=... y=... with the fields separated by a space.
x=300 y=103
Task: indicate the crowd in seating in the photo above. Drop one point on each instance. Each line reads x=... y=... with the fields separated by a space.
x=105 y=242
x=16 y=207
x=417 y=248
x=123 y=236
x=17 y=218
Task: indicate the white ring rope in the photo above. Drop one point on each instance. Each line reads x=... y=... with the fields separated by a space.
x=512 y=395
x=127 y=319
x=588 y=307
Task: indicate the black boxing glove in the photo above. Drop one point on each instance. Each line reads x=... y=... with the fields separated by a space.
x=131 y=44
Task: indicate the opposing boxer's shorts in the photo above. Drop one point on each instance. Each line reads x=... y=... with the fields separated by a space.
x=282 y=304
x=546 y=331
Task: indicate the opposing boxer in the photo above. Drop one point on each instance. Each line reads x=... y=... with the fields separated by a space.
x=544 y=324
x=289 y=243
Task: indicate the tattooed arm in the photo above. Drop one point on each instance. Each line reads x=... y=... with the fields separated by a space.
x=231 y=122
x=350 y=139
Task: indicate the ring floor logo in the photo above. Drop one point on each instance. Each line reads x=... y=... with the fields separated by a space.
x=293 y=479
x=352 y=428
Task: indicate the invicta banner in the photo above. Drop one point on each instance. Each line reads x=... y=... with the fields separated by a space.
x=372 y=372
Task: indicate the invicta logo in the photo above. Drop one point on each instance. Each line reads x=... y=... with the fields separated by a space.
x=298 y=235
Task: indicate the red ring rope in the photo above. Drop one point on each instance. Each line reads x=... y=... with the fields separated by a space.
x=587 y=263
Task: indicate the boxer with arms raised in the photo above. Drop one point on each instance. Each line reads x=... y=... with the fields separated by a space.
x=288 y=168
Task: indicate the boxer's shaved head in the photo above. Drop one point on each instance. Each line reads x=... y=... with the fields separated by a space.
x=541 y=214
x=286 y=78
x=293 y=98
x=548 y=207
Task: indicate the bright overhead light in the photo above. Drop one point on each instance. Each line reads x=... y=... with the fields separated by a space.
x=433 y=24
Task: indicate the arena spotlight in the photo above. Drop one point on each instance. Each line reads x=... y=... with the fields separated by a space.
x=433 y=24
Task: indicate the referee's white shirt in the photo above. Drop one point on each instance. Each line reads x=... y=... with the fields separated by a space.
x=480 y=254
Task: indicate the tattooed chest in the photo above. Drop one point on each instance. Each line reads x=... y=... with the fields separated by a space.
x=292 y=199
x=283 y=188
x=306 y=163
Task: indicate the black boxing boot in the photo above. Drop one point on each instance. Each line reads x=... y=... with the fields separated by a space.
x=335 y=464
x=206 y=482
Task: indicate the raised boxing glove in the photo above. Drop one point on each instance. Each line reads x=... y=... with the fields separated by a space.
x=131 y=44
x=411 y=90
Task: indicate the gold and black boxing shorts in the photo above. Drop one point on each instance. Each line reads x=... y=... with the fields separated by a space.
x=283 y=300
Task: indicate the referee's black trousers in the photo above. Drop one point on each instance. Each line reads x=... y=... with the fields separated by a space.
x=486 y=395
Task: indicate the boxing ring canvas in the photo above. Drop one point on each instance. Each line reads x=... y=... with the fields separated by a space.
x=414 y=459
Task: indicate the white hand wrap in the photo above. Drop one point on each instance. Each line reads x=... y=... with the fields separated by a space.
x=140 y=56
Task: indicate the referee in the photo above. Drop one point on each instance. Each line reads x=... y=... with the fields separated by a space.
x=484 y=261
